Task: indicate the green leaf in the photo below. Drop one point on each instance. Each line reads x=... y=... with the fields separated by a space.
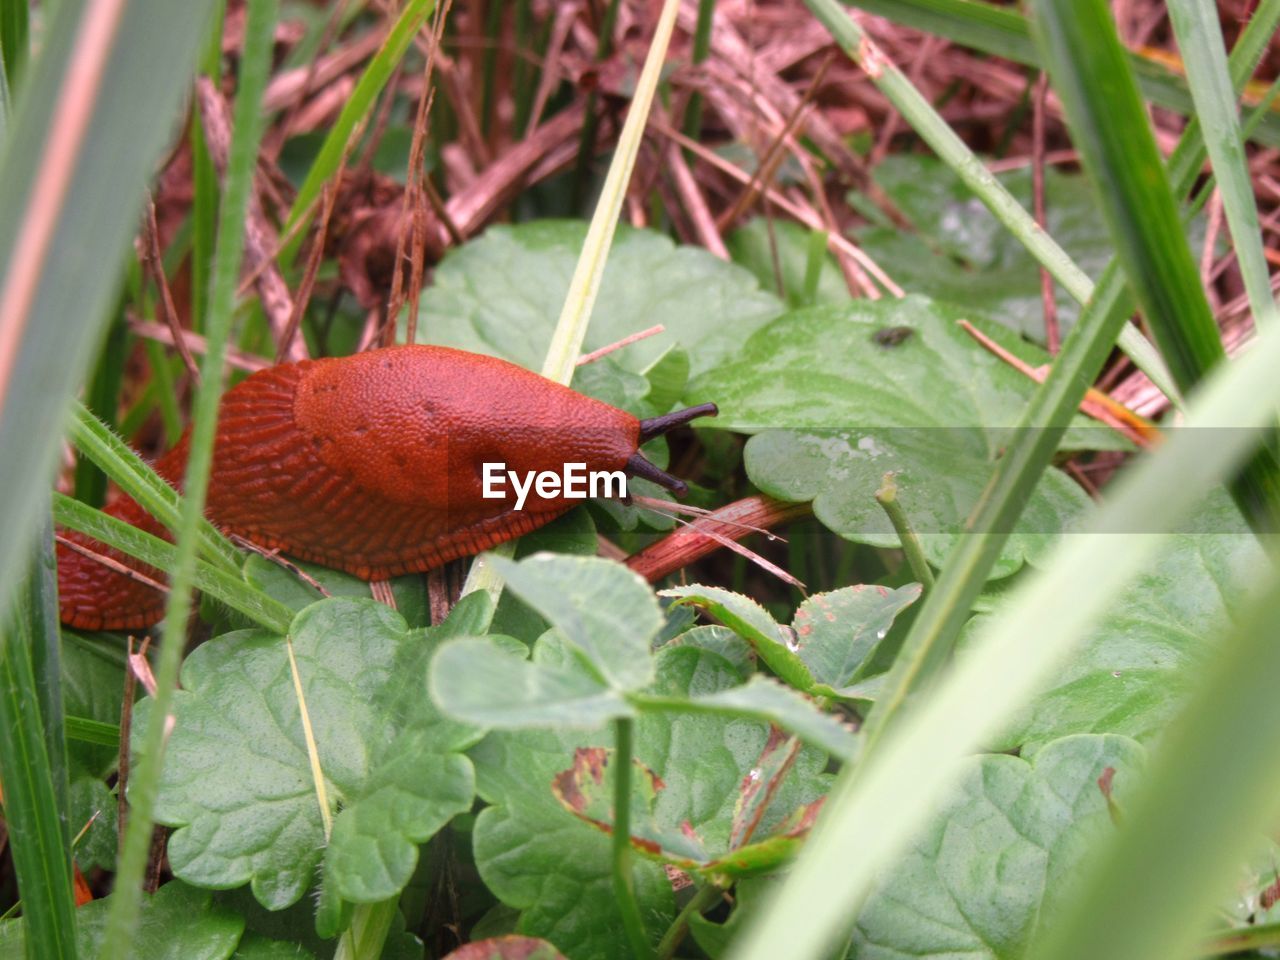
x=607 y=613
x=539 y=858
x=178 y=922
x=771 y=641
x=991 y=866
x=283 y=585
x=876 y=387
x=92 y=801
x=1135 y=670
x=501 y=294
x=830 y=640
x=236 y=781
x=93 y=688
x=466 y=674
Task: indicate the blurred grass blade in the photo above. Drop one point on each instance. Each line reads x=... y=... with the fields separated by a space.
x=33 y=765
x=246 y=132
x=359 y=106
x=1109 y=127
x=1209 y=798
x=14 y=28
x=1195 y=22
x=946 y=608
x=92 y=117
x=571 y=328
x=874 y=814
x=1003 y=32
x=935 y=131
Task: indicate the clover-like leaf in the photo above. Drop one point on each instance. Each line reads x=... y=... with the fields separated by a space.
x=501 y=294
x=484 y=681
x=237 y=782
x=1139 y=662
x=841 y=396
x=605 y=611
x=539 y=858
x=178 y=922
x=828 y=644
x=999 y=856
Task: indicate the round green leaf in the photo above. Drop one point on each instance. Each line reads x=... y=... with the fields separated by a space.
x=501 y=294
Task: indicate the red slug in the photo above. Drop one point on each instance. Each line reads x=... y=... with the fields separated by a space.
x=374 y=464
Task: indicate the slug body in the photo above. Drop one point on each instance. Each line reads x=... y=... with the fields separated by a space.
x=372 y=464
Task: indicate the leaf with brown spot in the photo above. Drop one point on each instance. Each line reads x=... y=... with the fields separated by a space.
x=507 y=948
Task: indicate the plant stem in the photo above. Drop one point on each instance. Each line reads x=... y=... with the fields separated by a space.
x=704 y=899
x=623 y=881
x=144 y=786
x=365 y=938
x=887 y=497
x=701 y=50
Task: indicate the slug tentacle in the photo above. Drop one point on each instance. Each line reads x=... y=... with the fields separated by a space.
x=638 y=466
x=657 y=426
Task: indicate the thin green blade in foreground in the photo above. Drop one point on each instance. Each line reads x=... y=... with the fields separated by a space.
x=109 y=138
x=870 y=818
x=1109 y=127
x=33 y=769
x=1209 y=798
x=255 y=66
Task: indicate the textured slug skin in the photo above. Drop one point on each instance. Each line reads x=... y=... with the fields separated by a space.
x=371 y=464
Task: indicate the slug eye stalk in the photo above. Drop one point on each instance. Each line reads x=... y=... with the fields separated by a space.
x=657 y=426
x=638 y=466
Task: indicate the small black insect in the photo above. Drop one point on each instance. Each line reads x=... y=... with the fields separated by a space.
x=892 y=336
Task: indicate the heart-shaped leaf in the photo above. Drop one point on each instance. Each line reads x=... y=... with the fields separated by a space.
x=606 y=612
x=178 y=922
x=846 y=395
x=501 y=294
x=237 y=783
x=1139 y=663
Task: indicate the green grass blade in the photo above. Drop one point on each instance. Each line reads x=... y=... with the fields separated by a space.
x=92 y=172
x=359 y=105
x=14 y=30
x=96 y=441
x=873 y=815
x=1195 y=22
x=255 y=66
x=35 y=788
x=223 y=586
x=947 y=607
x=1109 y=127
x=84 y=730
x=1003 y=32
x=1210 y=795
x=953 y=151
x=45 y=642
